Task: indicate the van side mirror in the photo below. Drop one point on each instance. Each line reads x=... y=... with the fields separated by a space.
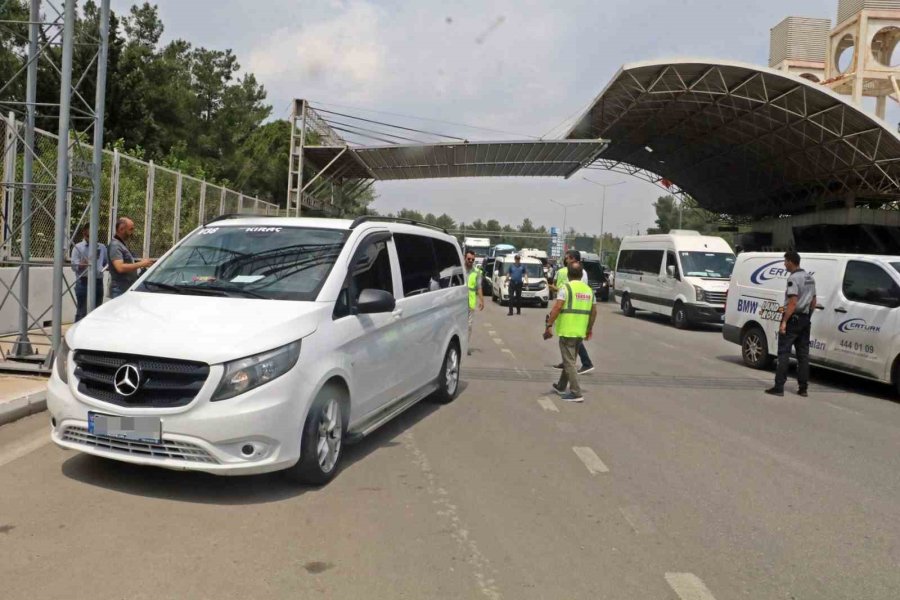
x=670 y=270
x=373 y=301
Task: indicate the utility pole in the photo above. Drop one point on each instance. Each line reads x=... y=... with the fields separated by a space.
x=602 y=209
x=566 y=208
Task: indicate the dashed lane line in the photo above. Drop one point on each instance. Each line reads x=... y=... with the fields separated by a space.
x=590 y=459
x=639 y=521
x=23 y=448
x=492 y=332
x=497 y=341
x=547 y=404
x=673 y=347
x=688 y=586
x=510 y=352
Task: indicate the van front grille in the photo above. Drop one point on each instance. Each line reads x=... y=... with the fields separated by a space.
x=164 y=382
x=715 y=297
x=167 y=449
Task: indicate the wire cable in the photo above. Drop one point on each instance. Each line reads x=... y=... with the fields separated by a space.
x=331 y=112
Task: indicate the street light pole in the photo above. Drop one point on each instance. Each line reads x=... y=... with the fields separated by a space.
x=602 y=209
x=566 y=208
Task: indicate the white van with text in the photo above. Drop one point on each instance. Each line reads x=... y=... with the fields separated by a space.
x=855 y=327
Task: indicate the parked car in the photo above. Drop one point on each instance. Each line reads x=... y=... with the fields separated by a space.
x=535 y=290
x=681 y=274
x=486 y=283
x=598 y=275
x=854 y=326
x=264 y=344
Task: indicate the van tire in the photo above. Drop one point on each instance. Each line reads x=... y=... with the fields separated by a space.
x=326 y=411
x=679 y=316
x=448 y=380
x=755 y=348
x=627 y=307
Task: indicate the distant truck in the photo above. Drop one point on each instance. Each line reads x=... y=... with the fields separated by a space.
x=480 y=246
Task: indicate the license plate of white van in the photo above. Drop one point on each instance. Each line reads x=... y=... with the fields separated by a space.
x=138 y=429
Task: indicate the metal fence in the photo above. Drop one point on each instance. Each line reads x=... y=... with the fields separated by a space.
x=163 y=203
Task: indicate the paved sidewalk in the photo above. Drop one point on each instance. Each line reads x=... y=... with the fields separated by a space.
x=21 y=396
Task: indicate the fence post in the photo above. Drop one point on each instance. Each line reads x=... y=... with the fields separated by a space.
x=202 y=216
x=222 y=202
x=175 y=230
x=114 y=193
x=10 y=144
x=148 y=208
x=240 y=204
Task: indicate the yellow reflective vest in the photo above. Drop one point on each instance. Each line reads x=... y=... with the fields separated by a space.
x=472 y=281
x=575 y=315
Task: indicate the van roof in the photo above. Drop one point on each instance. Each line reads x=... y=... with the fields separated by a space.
x=525 y=259
x=883 y=257
x=680 y=240
x=322 y=223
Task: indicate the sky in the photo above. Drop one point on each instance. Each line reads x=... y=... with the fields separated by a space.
x=521 y=67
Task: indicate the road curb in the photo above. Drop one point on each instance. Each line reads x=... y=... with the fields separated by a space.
x=22 y=406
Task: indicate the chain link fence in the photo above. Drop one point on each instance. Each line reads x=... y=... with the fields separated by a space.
x=164 y=204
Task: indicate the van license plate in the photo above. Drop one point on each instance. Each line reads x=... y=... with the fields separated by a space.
x=139 y=429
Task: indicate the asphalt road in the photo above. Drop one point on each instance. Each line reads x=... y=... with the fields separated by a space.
x=677 y=479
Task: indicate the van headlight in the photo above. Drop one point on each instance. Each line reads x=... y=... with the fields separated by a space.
x=247 y=373
x=701 y=296
x=62 y=361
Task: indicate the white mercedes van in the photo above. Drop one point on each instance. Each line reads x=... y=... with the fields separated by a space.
x=534 y=291
x=262 y=344
x=681 y=274
x=855 y=329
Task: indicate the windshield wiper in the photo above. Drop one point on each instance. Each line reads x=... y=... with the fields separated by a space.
x=226 y=290
x=164 y=286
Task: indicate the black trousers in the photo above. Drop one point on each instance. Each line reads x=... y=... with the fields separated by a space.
x=796 y=336
x=515 y=296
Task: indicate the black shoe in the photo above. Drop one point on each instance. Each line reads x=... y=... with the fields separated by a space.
x=774 y=391
x=558 y=389
x=584 y=369
x=559 y=366
x=803 y=392
x=508 y=314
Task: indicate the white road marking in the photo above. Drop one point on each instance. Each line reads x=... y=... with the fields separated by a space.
x=590 y=460
x=638 y=520
x=497 y=341
x=668 y=345
x=492 y=332
x=547 y=404
x=510 y=352
x=23 y=448
x=688 y=586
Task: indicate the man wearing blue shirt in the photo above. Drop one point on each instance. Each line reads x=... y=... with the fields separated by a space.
x=516 y=280
x=80 y=258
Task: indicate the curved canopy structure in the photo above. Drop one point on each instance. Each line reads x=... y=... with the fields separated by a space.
x=742 y=139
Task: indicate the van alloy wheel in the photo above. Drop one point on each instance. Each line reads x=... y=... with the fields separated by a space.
x=679 y=317
x=330 y=434
x=754 y=348
x=451 y=374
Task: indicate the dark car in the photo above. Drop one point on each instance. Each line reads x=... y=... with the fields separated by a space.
x=598 y=279
x=486 y=286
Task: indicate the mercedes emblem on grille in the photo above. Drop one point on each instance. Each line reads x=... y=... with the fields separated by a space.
x=127 y=379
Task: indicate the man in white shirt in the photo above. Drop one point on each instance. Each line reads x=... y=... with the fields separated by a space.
x=80 y=258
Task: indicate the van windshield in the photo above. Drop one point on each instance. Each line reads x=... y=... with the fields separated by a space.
x=709 y=265
x=282 y=263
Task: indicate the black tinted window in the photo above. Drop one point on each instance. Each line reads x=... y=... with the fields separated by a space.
x=865 y=282
x=418 y=264
x=640 y=261
x=370 y=269
x=449 y=266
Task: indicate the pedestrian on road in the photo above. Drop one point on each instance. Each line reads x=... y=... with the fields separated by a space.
x=799 y=304
x=80 y=262
x=123 y=269
x=515 y=280
x=574 y=314
x=476 y=294
x=562 y=277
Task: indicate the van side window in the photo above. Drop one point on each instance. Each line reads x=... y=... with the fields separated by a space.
x=640 y=262
x=449 y=267
x=371 y=269
x=418 y=265
x=870 y=284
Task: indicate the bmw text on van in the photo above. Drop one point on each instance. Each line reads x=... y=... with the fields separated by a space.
x=681 y=274
x=855 y=328
x=261 y=344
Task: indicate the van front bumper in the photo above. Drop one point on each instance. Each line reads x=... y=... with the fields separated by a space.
x=705 y=313
x=204 y=436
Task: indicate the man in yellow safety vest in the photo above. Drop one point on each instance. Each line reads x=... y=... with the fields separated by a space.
x=573 y=314
x=476 y=295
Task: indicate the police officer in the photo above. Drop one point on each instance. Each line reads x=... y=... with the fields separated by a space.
x=799 y=304
x=476 y=295
x=574 y=314
x=562 y=277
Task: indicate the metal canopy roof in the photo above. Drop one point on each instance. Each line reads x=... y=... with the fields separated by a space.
x=556 y=158
x=742 y=139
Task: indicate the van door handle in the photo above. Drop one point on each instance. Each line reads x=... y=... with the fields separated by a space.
x=398 y=313
x=820 y=307
x=840 y=310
